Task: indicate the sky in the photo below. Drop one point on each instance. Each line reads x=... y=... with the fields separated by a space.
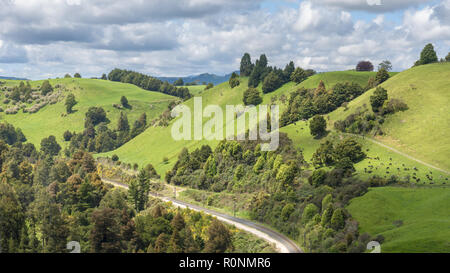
x=49 y=38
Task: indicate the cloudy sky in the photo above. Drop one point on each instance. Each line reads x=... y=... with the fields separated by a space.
x=48 y=38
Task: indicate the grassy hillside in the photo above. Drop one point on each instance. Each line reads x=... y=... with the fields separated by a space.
x=410 y=219
x=422 y=130
x=50 y=121
x=399 y=166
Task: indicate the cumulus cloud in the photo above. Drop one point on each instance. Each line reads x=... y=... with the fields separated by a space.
x=49 y=38
x=375 y=6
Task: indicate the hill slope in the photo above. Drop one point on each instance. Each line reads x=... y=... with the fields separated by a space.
x=50 y=121
x=422 y=130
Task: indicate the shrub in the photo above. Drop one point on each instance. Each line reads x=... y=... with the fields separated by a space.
x=364 y=66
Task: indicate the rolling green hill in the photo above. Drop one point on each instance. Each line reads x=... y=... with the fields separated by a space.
x=88 y=92
x=422 y=130
x=410 y=219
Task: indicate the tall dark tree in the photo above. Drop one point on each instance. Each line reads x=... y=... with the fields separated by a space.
x=105 y=232
x=378 y=98
x=50 y=146
x=246 y=65
x=124 y=102
x=428 y=55
x=139 y=190
x=77 y=75
x=219 y=238
x=234 y=80
x=318 y=126
x=122 y=124
x=447 y=58
x=288 y=70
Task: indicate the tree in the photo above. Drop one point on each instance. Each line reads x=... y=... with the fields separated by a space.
x=139 y=190
x=428 y=55
x=364 y=66
x=104 y=77
x=209 y=86
x=122 y=124
x=94 y=116
x=46 y=88
x=318 y=126
x=179 y=82
x=67 y=135
x=50 y=146
x=234 y=80
x=338 y=219
x=271 y=83
x=124 y=102
x=288 y=70
x=382 y=76
x=70 y=103
x=379 y=97
x=12 y=218
x=447 y=58
x=386 y=64
x=105 y=231
x=219 y=238
x=252 y=97
x=67 y=76
x=298 y=75
x=309 y=212
x=246 y=65
x=77 y=75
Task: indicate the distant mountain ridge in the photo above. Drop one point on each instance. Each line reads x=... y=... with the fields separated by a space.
x=12 y=78
x=205 y=77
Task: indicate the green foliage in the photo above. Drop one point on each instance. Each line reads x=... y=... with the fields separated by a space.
x=124 y=102
x=246 y=65
x=94 y=116
x=70 y=103
x=379 y=97
x=122 y=124
x=318 y=126
x=148 y=83
x=299 y=75
x=309 y=212
x=77 y=75
x=428 y=55
x=234 y=80
x=338 y=219
x=139 y=190
x=252 y=97
x=179 y=82
x=46 y=88
x=382 y=76
x=364 y=66
x=318 y=177
x=271 y=83
x=287 y=211
x=219 y=238
x=386 y=65
x=50 y=146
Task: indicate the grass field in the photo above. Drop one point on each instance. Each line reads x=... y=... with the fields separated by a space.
x=400 y=166
x=196 y=90
x=410 y=219
x=421 y=131
x=88 y=92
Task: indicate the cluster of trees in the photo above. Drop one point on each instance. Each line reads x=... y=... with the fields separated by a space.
x=428 y=56
x=340 y=154
x=60 y=200
x=97 y=137
x=22 y=92
x=252 y=96
x=271 y=77
x=363 y=121
x=304 y=103
x=280 y=195
x=148 y=83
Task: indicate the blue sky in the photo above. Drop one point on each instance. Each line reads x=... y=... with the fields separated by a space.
x=186 y=37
